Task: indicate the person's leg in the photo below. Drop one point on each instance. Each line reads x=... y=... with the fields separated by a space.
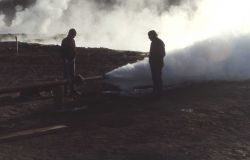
x=71 y=75
x=66 y=75
x=154 y=76
x=158 y=79
x=64 y=70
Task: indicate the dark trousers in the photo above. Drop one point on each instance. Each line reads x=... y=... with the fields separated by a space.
x=156 y=71
x=69 y=74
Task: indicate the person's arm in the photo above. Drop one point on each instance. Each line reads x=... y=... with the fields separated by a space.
x=72 y=49
x=163 y=52
x=63 y=50
x=148 y=53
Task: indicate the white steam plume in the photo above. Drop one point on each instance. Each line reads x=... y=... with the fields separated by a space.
x=213 y=45
x=212 y=59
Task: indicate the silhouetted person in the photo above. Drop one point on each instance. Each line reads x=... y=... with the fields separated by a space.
x=69 y=56
x=156 y=55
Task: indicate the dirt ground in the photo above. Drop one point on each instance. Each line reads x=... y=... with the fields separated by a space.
x=201 y=121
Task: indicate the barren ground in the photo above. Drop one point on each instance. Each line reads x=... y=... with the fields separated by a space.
x=202 y=121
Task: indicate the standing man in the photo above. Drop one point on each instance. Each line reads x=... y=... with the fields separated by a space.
x=68 y=50
x=156 y=55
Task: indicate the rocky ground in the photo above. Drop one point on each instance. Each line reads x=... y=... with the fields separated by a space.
x=201 y=121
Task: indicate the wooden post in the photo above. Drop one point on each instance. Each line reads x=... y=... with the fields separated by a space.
x=31 y=132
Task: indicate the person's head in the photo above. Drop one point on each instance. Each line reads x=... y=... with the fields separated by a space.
x=72 y=33
x=152 y=35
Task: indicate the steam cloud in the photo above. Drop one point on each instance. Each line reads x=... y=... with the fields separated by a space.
x=116 y=24
x=123 y=24
x=205 y=39
x=9 y=8
x=212 y=59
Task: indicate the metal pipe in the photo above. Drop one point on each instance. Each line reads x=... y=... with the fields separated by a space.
x=45 y=85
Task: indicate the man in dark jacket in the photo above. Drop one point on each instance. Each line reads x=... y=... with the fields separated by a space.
x=156 y=55
x=68 y=52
